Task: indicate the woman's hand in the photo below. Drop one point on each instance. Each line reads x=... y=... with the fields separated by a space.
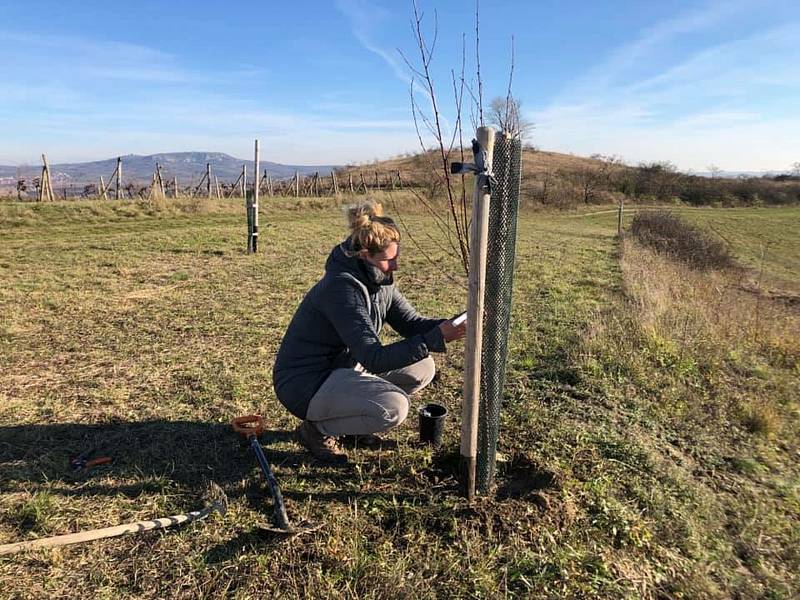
x=451 y=332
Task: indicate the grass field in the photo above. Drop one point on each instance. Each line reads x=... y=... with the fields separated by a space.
x=649 y=437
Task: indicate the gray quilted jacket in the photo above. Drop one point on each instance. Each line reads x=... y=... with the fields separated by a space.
x=338 y=324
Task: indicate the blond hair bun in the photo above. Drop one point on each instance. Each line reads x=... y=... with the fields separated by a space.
x=369 y=228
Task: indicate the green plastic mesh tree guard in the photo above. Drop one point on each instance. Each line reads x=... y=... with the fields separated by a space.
x=503 y=210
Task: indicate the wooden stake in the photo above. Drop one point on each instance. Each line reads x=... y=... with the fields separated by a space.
x=50 y=191
x=244 y=181
x=175 y=186
x=619 y=217
x=216 y=184
x=103 y=188
x=296 y=184
x=160 y=181
x=118 y=192
x=363 y=183
x=269 y=184
x=208 y=180
x=252 y=238
x=479 y=232
x=235 y=186
x=335 y=185
x=46 y=185
x=350 y=179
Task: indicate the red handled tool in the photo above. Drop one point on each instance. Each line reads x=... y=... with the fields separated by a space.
x=83 y=461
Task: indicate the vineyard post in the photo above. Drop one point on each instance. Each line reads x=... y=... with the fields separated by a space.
x=46 y=184
x=118 y=191
x=160 y=181
x=252 y=206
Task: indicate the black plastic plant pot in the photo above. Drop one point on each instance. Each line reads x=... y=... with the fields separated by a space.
x=431 y=424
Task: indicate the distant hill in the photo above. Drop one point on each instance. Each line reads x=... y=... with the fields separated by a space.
x=188 y=166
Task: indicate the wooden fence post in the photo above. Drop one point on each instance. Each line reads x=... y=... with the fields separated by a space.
x=103 y=188
x=252 y=207
x=619 y=217
x=118 y=191
x=46 y=184
x=160 y=181
x=175 y=186
x=350 y=179
x=335 y=185
x=479 y=232
x=208 y=180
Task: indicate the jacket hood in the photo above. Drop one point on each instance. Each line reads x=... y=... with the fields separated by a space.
x=339 y=262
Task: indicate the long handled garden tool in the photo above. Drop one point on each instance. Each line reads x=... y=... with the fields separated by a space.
x=219 y=503
x=250 y=427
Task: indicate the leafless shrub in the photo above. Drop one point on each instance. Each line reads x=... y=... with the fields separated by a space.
x=670 y=235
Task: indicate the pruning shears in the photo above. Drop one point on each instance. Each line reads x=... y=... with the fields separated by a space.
x=85 y=461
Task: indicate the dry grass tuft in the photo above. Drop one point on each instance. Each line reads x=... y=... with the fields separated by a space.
x=761 y=417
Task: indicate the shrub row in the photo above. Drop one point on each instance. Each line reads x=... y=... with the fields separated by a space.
x=670 y=235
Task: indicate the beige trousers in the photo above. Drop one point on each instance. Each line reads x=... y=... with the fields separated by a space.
x=355 y=402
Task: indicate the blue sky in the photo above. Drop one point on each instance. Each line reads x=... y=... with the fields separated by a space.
x=695 y=83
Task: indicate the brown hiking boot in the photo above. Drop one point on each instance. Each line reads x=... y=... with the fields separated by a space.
x=323 y=447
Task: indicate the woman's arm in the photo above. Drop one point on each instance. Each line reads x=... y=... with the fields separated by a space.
x=345 y=307
x=405 y=320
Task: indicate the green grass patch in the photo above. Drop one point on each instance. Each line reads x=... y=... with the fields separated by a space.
x=639 y=458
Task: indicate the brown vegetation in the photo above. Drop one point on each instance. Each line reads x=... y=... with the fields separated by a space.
x=669 y=234
x=565 y=181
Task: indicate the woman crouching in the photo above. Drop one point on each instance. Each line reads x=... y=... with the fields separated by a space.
x=332 y=370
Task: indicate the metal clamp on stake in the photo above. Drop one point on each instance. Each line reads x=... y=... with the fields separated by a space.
x=481 y=168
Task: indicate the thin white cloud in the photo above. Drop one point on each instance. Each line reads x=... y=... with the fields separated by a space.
x=365 y=17
x=717 y=105
x=611 y=70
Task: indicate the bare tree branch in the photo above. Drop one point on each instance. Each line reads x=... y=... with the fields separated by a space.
x=478 y=59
